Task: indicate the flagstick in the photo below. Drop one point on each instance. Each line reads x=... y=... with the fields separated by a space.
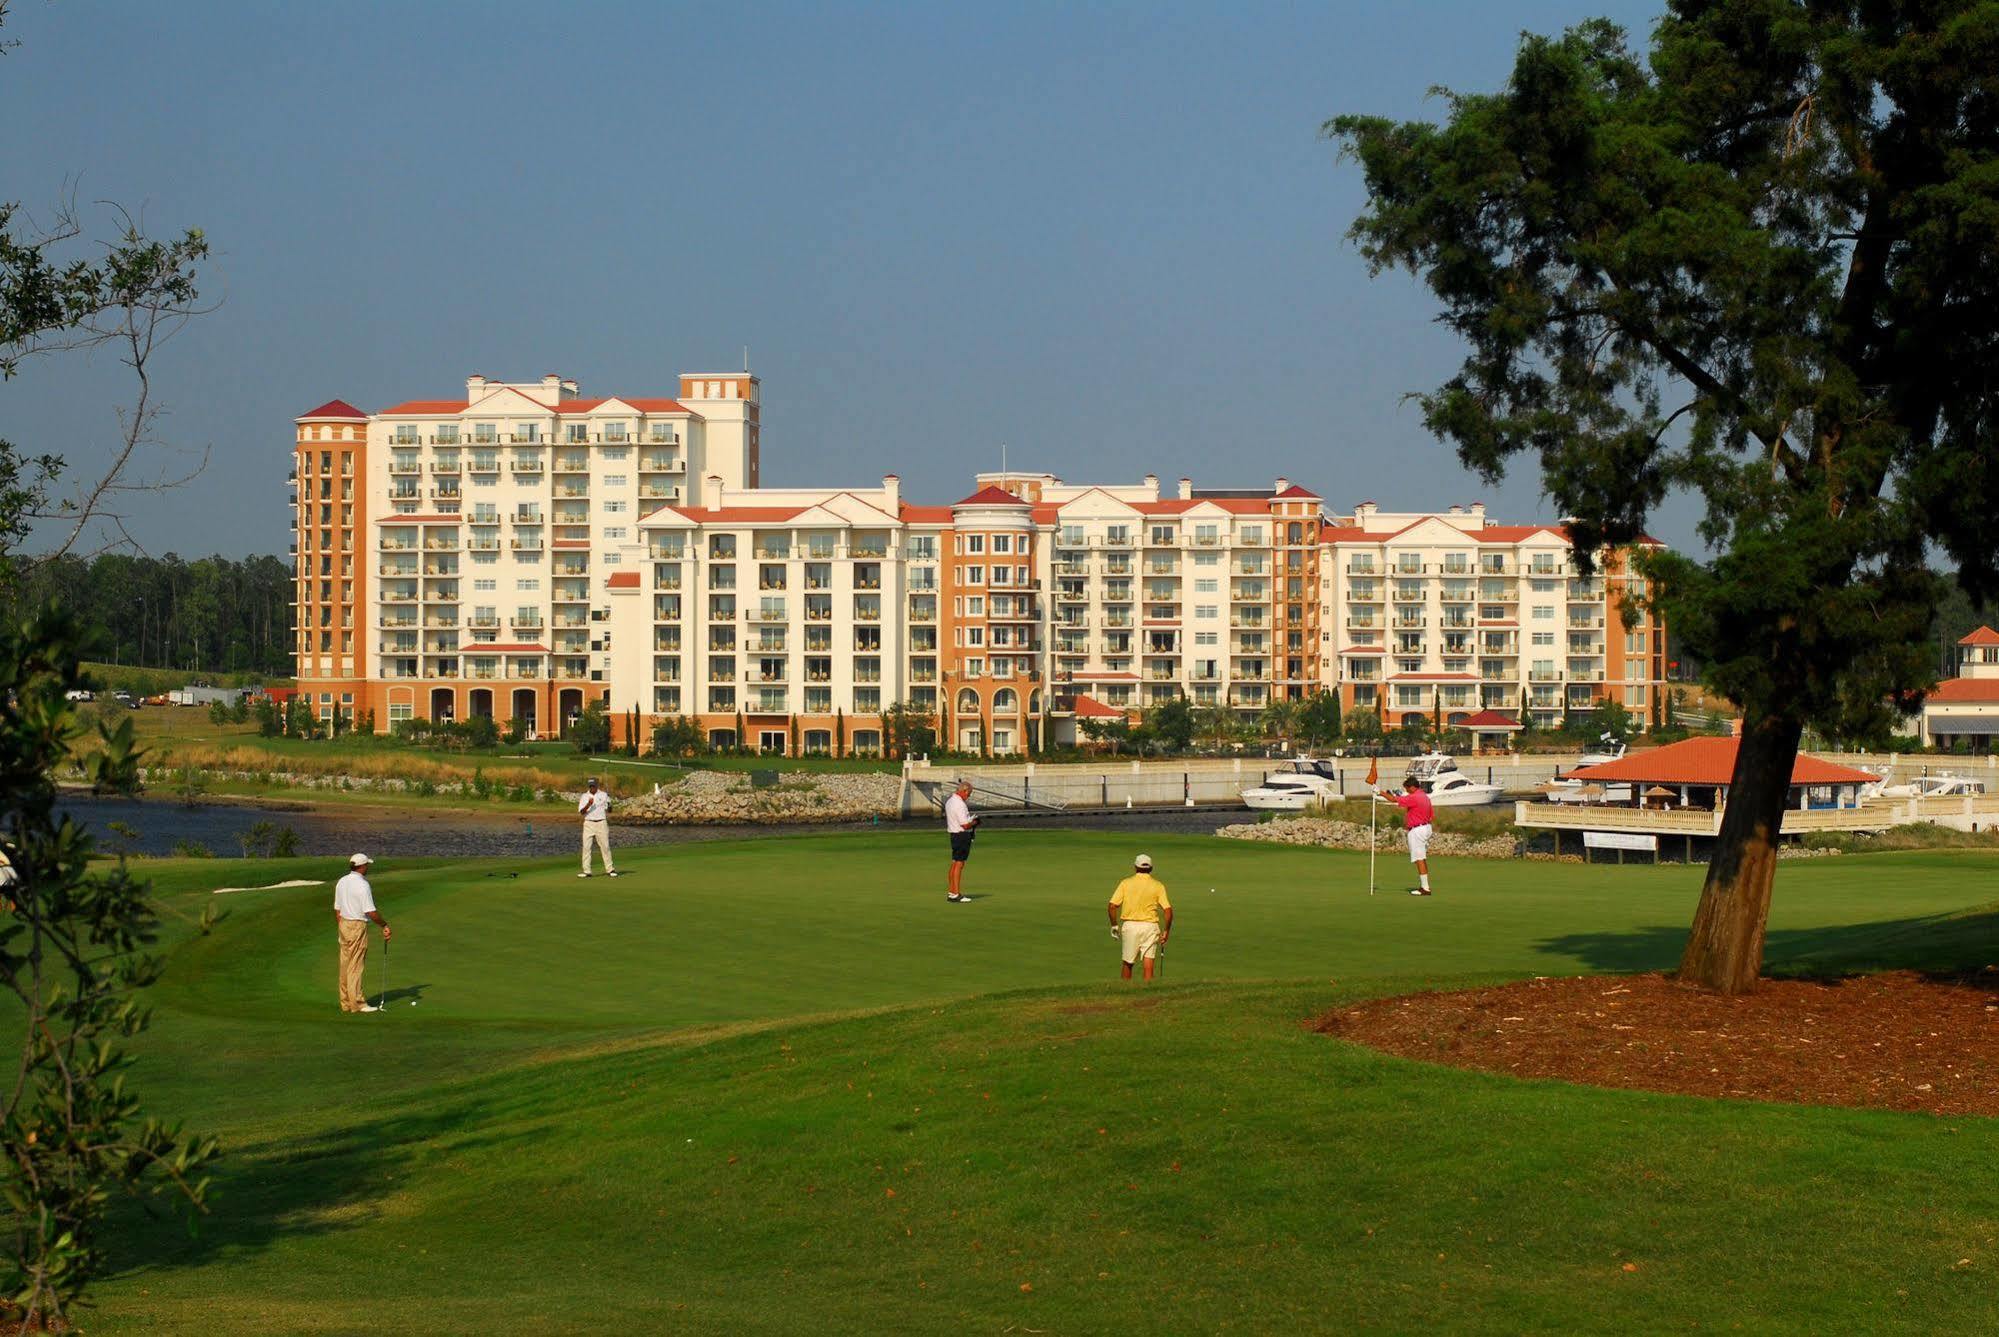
x=1373 y=802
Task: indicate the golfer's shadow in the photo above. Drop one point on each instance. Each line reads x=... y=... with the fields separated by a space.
x=413 y=992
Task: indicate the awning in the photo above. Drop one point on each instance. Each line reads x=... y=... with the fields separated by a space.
x=1985 y=726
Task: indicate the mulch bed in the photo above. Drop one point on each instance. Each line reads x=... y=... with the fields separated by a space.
x=1897 y=1041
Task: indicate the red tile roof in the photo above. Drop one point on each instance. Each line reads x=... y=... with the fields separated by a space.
x=992 y=496
x=425 y=406
x=1363 y=650
x=1966 y=689
x=1088 y=707
x=659 y=406
x=623 y=580
x=1491 y=719
x=511 y=648
x=334 y=408
x=1434 y=677
x=1709 y=761
x=1294 y=491
x=1983 y=636
x=1106 y=677
x=925 y=515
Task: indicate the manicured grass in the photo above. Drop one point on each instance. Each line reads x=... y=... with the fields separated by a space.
x=780 y=1084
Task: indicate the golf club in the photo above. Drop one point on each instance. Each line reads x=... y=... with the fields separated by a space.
x=383 y=1006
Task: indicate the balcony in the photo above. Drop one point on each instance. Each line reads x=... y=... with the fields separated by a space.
x=531 y=622
x=572 y=464
x=401 y=467
x=528 y=545
x=526 y=466
x=399 y=572
x=1544 y=675
x=483 y=544
x=444 y=468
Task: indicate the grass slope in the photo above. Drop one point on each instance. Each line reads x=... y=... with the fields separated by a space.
x=780 y=1083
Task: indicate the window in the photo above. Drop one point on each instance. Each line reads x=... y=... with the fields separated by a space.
x=1163 y=534
x=1544 y=638
x=1207 y=637
x=614 y=431
x=1207 y=559
x=485 y=433
x=485 y=585
x=975 y=543
x=975 y=575
x=615 y=480
x=401 y=710
x=614 y=507
x=660 y=432
x=1071 y=536
x=1544 y=610
x=1002 y=543
x=614 y=452
x=527 y=584
x=1205 y=610
x=578 y=433
x=1207 y=587
x=1253 y=535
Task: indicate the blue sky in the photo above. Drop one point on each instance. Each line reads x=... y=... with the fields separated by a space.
x=1107 y=235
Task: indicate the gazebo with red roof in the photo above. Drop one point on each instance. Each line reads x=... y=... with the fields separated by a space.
x=1700 y=770
x=1490 y=728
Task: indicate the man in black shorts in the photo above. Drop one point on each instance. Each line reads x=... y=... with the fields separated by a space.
x=958 y=820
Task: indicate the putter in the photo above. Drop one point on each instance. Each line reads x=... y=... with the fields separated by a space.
x=383 y=1006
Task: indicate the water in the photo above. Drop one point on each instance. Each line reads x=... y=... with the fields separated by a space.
x=389 y=832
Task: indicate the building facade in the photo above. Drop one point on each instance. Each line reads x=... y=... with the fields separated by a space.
x=524 y=550
x=1964 y=710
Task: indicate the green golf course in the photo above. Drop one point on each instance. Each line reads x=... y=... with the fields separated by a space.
x=781 y=1085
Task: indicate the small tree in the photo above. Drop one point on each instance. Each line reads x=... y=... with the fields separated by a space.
x=794 y=735
x=74 y=955
x=1319 y=718
x=840 y=733
x=742 y=736
x=1171 y=723
x=591 y=733
x=1363 y=728
x=269 y=723
x=677 y=737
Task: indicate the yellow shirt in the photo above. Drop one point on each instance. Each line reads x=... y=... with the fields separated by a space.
x=1140 y=898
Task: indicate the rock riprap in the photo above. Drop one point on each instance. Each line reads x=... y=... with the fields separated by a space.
x=723 y=797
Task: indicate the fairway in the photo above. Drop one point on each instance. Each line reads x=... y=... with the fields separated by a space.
x=781 y=1083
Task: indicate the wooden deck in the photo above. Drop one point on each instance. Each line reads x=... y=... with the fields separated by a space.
x=1963 y=813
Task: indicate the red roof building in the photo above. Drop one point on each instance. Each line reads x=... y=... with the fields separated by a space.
x=334 y=410
x=1707 y=763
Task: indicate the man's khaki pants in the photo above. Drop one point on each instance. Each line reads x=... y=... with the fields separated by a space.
x=598 y=833
x=353 y=964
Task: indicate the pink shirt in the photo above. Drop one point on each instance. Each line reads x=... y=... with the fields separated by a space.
x=1415 y=806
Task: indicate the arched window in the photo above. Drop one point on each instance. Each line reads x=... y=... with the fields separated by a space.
x=1005 y=701
x=968 y=702
x=1034 y=702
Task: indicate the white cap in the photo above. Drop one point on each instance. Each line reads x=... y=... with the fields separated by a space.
x=358 y=860
x=1143 y=863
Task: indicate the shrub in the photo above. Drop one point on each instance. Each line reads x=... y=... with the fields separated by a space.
x=192 y=849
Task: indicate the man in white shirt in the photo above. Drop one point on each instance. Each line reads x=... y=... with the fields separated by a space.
x=958 y=820
x=353 y=908
x=593 y=805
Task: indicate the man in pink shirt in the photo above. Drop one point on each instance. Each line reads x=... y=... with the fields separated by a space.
x=1416 y=815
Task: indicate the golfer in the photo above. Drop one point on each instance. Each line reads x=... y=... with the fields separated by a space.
x=1136 y=907
x=962 y=826
x=593 y=805
x=353 y=907
x=1416 y=815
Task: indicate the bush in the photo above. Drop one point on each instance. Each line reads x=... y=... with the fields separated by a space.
x=591 y=733
x=517 y=731
x=192 y=849
x=680 y=737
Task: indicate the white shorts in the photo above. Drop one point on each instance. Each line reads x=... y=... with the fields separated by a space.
x=1141 y=940
x=1419 y=843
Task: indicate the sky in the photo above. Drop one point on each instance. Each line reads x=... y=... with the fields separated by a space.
x=1108 y=236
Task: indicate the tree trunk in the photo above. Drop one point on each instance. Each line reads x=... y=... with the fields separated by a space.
x=1725 y=949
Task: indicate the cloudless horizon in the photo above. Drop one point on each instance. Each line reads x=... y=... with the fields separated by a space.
x=1110 y=238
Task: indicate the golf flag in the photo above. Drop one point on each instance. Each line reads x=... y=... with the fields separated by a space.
x=1373 y=772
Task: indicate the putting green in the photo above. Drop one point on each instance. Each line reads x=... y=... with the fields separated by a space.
x=782 y=1083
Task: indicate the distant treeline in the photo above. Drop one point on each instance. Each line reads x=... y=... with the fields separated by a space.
x=164 y=612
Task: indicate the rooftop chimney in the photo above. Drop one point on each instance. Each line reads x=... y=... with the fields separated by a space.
x=474 y=387
x=1283 y=484
x=711 y=492
x=1151 y=482
x=1186 y=489
x=892 y=489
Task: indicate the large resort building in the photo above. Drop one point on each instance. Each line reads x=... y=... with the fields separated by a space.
x=524 y=550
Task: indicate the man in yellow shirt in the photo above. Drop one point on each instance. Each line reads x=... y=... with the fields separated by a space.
x=1136 y=909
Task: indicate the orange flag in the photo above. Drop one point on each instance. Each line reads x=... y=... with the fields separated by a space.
x=1373 y=771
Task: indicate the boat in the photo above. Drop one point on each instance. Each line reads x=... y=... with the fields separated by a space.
x=1291 y=793
x=1583 y=791
x=1935 y=786
x=1616 y=752
x=1449 y=787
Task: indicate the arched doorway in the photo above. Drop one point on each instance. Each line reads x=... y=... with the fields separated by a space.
x=443 y=705
x=569 y=704
x=524 y=709
x=480 y=702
